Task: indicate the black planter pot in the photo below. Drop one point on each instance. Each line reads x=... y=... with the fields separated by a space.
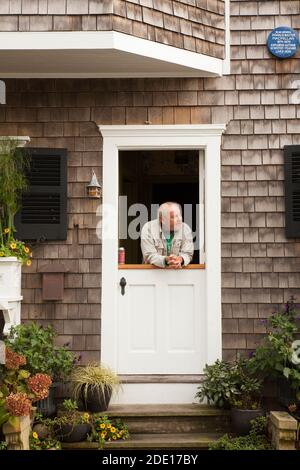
x=72 y=433
x=94 y=400
x=48 y=406
x=240 y=420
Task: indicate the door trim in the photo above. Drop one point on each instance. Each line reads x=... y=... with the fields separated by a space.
x=151 y=137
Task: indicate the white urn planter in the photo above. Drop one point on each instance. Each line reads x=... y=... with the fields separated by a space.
x=10 y=291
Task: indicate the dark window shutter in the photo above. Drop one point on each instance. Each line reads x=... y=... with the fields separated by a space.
x=292 y=190
x=43 y=213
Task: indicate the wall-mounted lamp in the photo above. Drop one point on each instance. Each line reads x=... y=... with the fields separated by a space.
x=94 y=189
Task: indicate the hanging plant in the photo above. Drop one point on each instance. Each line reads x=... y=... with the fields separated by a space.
x=14 y=163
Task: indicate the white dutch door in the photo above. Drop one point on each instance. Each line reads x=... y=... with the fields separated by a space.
x=167 y=323
x=161 y=321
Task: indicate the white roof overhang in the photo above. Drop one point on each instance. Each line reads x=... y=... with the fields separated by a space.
x=83 y=54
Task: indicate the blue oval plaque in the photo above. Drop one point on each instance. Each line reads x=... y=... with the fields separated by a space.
x=283 y=42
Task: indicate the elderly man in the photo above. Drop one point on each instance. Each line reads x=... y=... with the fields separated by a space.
x=167 y=241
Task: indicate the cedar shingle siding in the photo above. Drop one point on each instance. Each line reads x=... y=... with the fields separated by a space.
x=260 y=266
x=187 y=24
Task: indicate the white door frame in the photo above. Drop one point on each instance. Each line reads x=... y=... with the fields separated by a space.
x=151 y=137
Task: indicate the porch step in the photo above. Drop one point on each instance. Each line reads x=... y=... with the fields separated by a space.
x=152 y=441
x=166 y=419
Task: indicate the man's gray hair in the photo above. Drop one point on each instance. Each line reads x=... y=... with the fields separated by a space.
x=165 y=207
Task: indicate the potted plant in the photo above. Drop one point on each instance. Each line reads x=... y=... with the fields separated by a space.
x=106 y=430
x=217 y=384
x=13 y=252
x=245 y=400
x=13 y=182
x=69 y=426
x=232 y=385
x=37 y=443
x=19 y=390
x=277 y=356
x=37 y=343
x=92 y=386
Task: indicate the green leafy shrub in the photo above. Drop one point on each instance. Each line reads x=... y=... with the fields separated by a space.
x=36 y=343
x=255 y=440
x=275 y=357
x=13 y=182
x=231 y=384
x=246 y=395
x=218 y=384
x=3 y=445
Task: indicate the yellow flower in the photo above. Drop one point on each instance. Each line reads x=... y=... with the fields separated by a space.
x=35 y=435
x=28 y=262
x=1 y=253
x=108 y=425
x=114 y=437
x=6 y=230
x=13 y=246
x=102 y=426
x=103 y=434
x=26 y=249
x=113 y=429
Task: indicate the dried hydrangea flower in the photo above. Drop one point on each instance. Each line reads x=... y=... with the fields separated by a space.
x=13 y=360
x=18 y=404
x=39 y=385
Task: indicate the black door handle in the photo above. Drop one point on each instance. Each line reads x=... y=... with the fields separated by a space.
x=123 y=284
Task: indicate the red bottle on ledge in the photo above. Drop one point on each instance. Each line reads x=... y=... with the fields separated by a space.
x=121 y=255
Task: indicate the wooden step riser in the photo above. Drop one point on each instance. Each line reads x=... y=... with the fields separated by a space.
x=214 y=424
x=152 y=441
x=145 y=447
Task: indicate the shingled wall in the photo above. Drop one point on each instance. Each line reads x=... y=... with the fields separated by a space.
x=260 y=267
x=187 y=24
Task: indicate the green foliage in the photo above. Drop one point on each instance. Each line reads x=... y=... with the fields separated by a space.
x=230 y=383
x=104 y=429
x=68 y=416
x=255 y=440
x=13 y=165
x=36 y=343
x=247 y=387
x=275 y=356
x=14 y=381
x=70 y=405
x=9 y=246
x=4 y=415
x=36 y=443
x=3 y=445
x=218 y=384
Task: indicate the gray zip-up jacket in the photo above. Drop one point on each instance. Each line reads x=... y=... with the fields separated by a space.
x=154 y=247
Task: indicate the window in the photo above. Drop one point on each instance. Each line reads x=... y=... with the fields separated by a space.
x=151 y=177
x=43 y=213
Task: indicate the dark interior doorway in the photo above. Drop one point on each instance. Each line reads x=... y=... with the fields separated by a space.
x=153 y=177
